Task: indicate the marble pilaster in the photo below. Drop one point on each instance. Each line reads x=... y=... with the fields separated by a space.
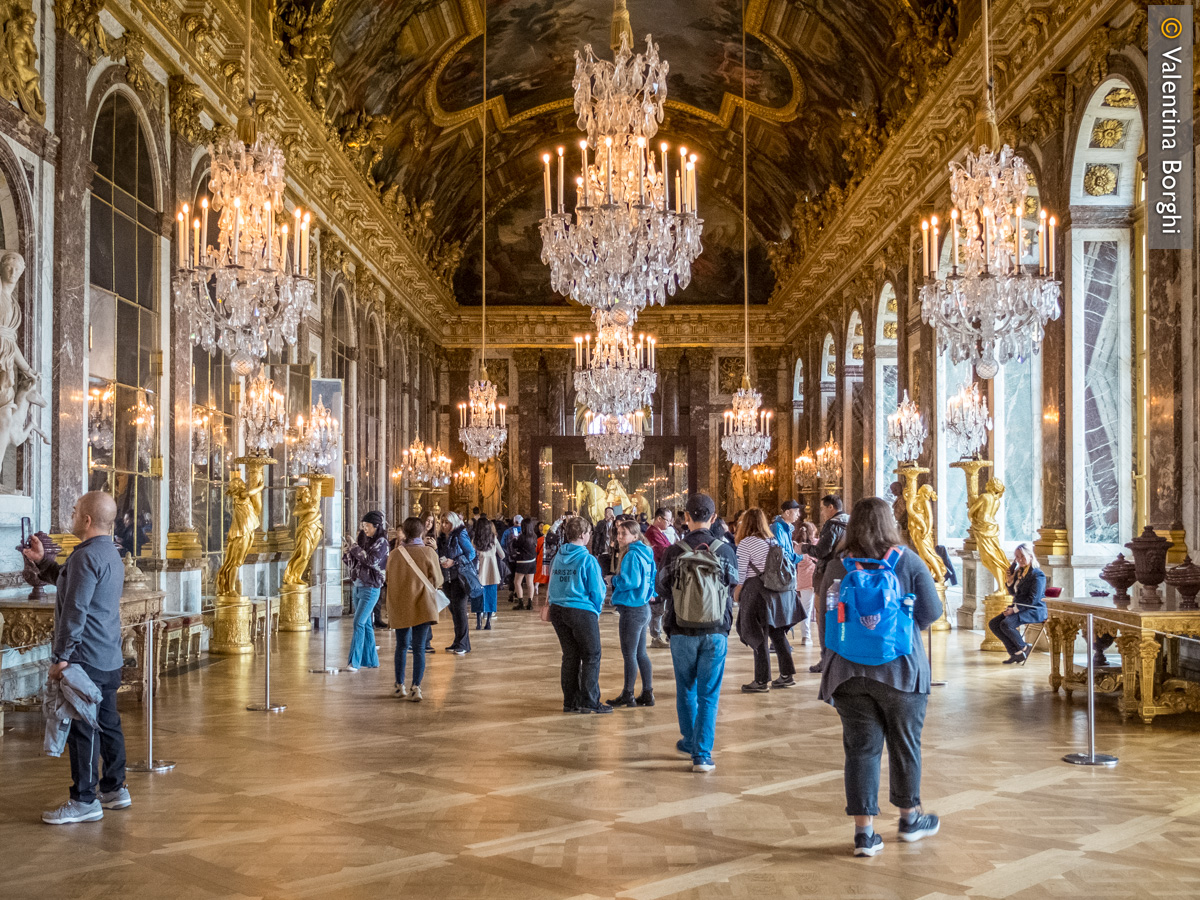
x=68 y=398
x=1164 y=374
x=522 y=428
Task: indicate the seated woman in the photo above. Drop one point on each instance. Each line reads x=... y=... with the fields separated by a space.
x=1027 y=584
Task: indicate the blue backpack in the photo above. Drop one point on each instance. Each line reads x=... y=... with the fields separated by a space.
x=871 y=623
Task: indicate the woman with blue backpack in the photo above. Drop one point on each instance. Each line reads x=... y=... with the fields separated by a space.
x=633 y=587
x=877 y=598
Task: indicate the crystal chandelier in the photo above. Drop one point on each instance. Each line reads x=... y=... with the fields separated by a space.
x=316 y=444
x=906 y=431
x=244 y=297
x=829 y=461
x=967 y=421
x=633 y=236
x=263 y=415
x=806 y=467
x=143 y=422
x=425 y=465
x=464 y=478
x=614 y=442
x=992 y=307
x=747 y=433
x=482 y=427
x=617 y=376
x=763 y=476
x=100 y=417
x=201 y=448
x=746 y=436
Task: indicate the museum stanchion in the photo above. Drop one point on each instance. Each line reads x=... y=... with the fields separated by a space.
x=1091 y=758
x=929 y=648
x=267 y=705
x=150 y=669
x=325 y=668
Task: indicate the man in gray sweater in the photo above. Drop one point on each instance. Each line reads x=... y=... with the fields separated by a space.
x=87 y=633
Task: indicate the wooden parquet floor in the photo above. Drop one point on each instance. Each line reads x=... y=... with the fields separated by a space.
x=486 y=790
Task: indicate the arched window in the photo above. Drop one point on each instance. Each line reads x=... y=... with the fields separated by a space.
x=123 y=360
x=887 y=385
x=370 y=397
x=1105 y=182
x=797 y=405
x=853 y=438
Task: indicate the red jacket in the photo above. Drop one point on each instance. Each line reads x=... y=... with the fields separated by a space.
x=658 y=542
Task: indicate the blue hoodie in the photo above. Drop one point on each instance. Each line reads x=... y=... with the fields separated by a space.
x=634 y=584
x=783 y=536
x=575 y=580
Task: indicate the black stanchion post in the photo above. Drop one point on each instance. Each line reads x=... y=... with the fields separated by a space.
x=150 y=764
x=267 y=705
x=1091 y=758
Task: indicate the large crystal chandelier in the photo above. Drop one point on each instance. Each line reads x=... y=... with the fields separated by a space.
x=616 y=376
x=482 y=428
x=634 y=234
x=967 y=421
x=263 y=415
x=906 y=431
x=316 y=444
x=425 y=465
x=101 y=416
x=992 y=307
x=806 y=467
x=245 y=296
x=829 y=461
x=747 y=433
x=614 y=442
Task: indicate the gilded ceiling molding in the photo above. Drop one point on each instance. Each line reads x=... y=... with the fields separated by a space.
x=186 y=104
x=132 y=46
x=723 y=118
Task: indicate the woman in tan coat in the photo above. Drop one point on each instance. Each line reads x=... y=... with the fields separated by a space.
x=413 y=579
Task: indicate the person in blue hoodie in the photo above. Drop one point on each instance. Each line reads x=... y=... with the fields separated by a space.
x=576 y=594
x=633 y=587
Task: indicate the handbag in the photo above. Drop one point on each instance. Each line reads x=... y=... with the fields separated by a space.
x=439 y=595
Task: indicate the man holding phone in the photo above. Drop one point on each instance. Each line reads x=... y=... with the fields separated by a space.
x=87 y=634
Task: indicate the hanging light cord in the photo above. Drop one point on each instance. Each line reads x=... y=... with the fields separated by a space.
x=249 y=31
x=987 y=59
x=745 y=218
x=483 y=197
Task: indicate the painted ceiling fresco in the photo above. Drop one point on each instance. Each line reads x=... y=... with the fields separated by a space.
x=814 y=69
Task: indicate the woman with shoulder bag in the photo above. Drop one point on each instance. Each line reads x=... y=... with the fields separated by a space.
x=490 y=559
x=763 y=618
x=879 y=703
x=413 y=579
x=458 y=565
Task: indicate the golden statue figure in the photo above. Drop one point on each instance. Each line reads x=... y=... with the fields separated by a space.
x=19 y=76
x=309 y=532
x=919 y=505
x=984 y=513
x=737 y=489
x=616 y=495
x=242 y=528
x=590 y=500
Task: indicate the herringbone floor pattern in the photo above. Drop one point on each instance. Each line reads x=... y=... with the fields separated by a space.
x=487 y=790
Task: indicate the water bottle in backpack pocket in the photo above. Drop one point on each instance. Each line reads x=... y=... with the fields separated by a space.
x=871 y=620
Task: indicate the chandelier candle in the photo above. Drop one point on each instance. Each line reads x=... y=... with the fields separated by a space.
x=906 y=431
x=968 y=421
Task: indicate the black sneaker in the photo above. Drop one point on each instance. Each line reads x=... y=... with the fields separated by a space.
x=784 y=682
x=645 y=698
x=599 y=710
x=923 y=825
x=756 y=687
x=816 y=668
x=625 y=698
x=868 y=844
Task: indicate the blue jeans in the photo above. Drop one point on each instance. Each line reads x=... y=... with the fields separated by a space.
x=699 y=667
x=362 y=647
x=632 y=628
x=416 y=638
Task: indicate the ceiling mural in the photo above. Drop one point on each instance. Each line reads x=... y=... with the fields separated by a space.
x=825 y=77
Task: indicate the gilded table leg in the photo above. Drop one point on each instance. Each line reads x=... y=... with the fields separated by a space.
x=1130 y=645
x=1070 y=629
x=1053 y=627
x=1150 y=649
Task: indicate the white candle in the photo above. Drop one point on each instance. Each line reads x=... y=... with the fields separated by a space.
x=641 y=170
x=584 y=172
x=1042 y=243
x=204 y=226
x=196 y=243
x=608 y=169
x=546 y=181
x=924 y=249
x=296 y=242
x=1050 y=244
x=237 y=230
x=692 y=193
x=561 y=165
x=665 y=174
x=180 y=241
x=578 y=351
x=304 y=246
x=587 y=355
x=933 y=247
x=503 y=414
x=954 y=231
x=681 y=182
x=678 y=195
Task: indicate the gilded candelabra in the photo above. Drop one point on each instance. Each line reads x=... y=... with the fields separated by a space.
x=231 y=612
x=295 y=595
x=918 y=503
x=983 y=512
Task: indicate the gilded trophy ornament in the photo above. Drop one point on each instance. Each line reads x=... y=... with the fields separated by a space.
x=295 y=595
x=19 y=76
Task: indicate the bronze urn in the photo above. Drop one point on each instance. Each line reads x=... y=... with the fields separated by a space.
x=1185 y=578
x=1121 y=574
x=1150 y=563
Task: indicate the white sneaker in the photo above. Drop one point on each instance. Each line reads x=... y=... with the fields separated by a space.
x=118 y=799
x=415 y=695
x=74 y=811
x=351 y=669
x=400 y=691
x=806 y=641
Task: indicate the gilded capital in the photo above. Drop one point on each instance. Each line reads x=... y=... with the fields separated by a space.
x=187 y=102
x=81 y=20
